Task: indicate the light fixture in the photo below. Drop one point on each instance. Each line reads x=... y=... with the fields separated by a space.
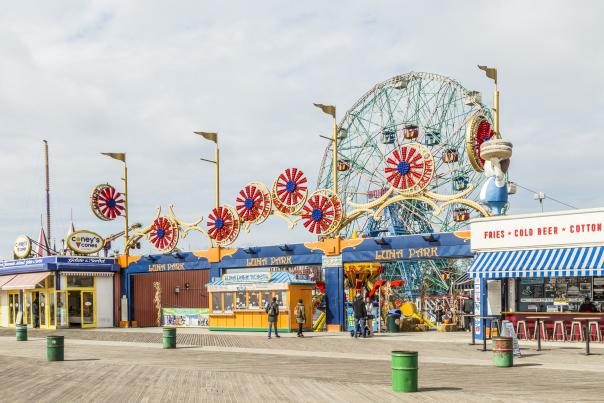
x=153 y=258
x=285 y=248
x=431 y=237
x=540 y=196
x=177 y=254
x=381 y=241
x=251 y=251
x=176 y=290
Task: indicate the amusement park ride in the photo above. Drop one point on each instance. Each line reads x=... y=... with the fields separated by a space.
x=417 y=154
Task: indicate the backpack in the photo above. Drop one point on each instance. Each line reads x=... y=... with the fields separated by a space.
x=272 y=309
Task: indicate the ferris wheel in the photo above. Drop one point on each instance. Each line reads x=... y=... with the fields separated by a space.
x=384 y=139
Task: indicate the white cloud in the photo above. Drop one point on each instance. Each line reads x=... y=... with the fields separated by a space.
x=141 y=76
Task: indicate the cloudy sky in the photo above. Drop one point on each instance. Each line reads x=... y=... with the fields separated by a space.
x=140 y=76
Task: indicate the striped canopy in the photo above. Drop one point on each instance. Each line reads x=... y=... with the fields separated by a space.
x=554 y=262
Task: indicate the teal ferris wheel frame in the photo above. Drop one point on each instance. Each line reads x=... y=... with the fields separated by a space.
x=427 y=108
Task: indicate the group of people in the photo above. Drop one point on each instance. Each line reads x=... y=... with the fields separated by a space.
x=363 y=316
x=464 y=307
x=272 y=309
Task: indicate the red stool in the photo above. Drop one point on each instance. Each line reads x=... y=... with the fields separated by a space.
x=559 y=331
x=521 y=325
x=575 y=324
x=594 y=335
x=541 y=329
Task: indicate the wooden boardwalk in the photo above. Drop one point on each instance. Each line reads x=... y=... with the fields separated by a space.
x=132 y=367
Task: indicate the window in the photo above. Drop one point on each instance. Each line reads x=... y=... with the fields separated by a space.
x=61 y=310
x=241 y=299
x=228 y=301
x=253 y=300
x=217 y=302
x=80 y=281
x=282 y=299
x=50 y=281
x=51 y=305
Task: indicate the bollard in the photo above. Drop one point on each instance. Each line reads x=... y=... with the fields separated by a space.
x=404 y=371
x=169 y=337
x=21 y=332
x=55 y=348
x=504 y=352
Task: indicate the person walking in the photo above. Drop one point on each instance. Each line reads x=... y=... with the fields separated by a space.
x=369 y=310
x=272 y=308
x=360 y=313
x=468 y=310
x=300 y=316
x=439 y=312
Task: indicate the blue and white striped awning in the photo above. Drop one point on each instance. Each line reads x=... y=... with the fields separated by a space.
x=558 y=262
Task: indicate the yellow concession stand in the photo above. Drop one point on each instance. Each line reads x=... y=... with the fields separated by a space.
x=238 y=300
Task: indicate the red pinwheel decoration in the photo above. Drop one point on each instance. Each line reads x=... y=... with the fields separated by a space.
x=254 y=203
x=322 y=212
x=164 y=234
x=223 y=225
x=410 y=168
x=290 y=190
x=106 y=202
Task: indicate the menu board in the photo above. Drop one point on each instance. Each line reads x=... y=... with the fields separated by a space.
x=598 y=293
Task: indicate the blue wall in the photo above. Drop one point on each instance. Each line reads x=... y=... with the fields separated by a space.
x=404 y=247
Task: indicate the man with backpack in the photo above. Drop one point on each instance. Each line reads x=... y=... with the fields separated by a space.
x=272 y=308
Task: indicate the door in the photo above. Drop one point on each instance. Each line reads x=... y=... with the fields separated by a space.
x=88 y=309
x=27 y=309
x=13 y=308
x=42 y=309
x=62 y=310
x=74 y=308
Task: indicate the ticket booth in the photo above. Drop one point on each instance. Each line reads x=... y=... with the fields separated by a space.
x=238 y=300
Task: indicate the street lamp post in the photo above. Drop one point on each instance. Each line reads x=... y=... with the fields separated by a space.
x=122 y=157
x=491 y=72
x=331 y=110
x=213 y=137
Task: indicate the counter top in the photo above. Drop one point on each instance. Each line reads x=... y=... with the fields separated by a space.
x=554 y=313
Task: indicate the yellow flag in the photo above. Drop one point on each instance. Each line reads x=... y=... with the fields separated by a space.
x=491 y=72
x=117 y=156
x=209 y=136
x=329 y=109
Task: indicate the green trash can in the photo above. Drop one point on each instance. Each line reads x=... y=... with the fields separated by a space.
x=391 y=325
x=503 y=349
x=404 y=371
x=169 y=337
x=55 y=348
x=21 y=332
